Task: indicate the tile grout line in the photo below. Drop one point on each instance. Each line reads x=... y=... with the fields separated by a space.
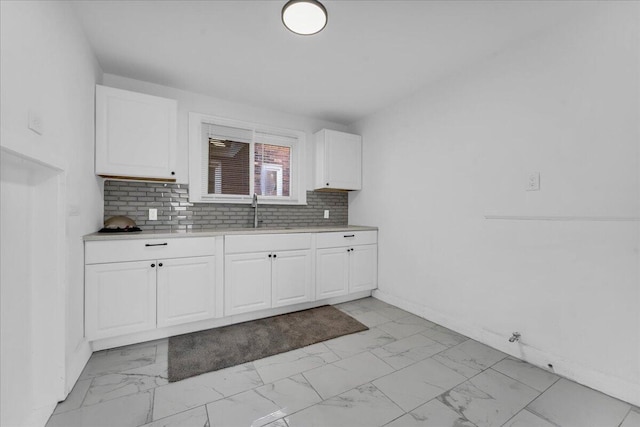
x=522 y=382
x=625 y=416
x=390 y=399
x=206 y=411
x=532 y=413
x=153 y=404
x=311 y=385
x=82 y=405
x=178 y=413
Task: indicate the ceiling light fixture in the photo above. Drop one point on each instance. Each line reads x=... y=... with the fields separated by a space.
x=305 y=17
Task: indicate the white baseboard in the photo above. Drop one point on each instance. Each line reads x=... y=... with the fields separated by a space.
x=105 y=343
x=613 y=386
x=40 y=416
x=75 y=364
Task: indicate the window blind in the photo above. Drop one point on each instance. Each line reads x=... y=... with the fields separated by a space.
x=226 y=160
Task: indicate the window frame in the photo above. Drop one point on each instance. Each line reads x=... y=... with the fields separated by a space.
x=198 y=193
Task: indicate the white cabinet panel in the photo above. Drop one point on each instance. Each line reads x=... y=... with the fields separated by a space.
x=186 y=290
x=136 y=296
x=268 y=270
x=346 y=263
x=135 y=134
x=266 y=242
x=338 y=160
x=100 y=251
x=120 y=298
x=247 y=282
x=363 y=268
x=332 y=272
x=292 y=280
x=346 y=238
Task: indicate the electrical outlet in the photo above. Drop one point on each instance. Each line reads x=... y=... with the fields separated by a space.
x=326 y=214
x=533 y=181
x=153 y=214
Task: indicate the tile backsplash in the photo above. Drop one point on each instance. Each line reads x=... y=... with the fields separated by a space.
x=134 y=199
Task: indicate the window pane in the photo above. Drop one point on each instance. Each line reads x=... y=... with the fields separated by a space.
x=272 y=167
x=228 y=167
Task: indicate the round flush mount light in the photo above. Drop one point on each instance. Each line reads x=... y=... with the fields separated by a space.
x=305 y=17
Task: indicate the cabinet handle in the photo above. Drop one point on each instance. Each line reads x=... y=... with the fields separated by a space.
x=349 y=235
x=160 y=264
x=274 y=255
x=153 y=265
x=327 y=183
x=270 y=255
x=156 y=244
x=173 y=173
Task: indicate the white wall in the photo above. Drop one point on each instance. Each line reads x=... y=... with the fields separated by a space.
x=198 y=103
x=47 y=67
x=562 y=265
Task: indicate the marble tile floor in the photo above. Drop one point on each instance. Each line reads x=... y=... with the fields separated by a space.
x=404 y=371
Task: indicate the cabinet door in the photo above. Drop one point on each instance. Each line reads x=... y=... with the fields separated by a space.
x=120 y=298
x=363 y=268
x=332 y=272
x=343 y=160
x=135 y=134
x=292 y=280
x=186 y=290
x=247 y=282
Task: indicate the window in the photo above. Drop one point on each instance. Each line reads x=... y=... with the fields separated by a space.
x=230 y=160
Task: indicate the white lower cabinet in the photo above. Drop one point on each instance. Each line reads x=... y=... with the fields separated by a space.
x=346 y=263
x=332 y=272
x=133 y=287
x=247 y=282
x=363 y=268
x=256 y=281
x=185 y=291
x=267 y=271
x=291 y=278
x=120 y=298
x=124 y=295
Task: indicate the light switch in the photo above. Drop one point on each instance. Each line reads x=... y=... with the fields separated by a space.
x=153 y=214
x=326 y=214
x=533 y=181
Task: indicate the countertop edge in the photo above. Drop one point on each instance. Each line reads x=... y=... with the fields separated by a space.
x=165 y=234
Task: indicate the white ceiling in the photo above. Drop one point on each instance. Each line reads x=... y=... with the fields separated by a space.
x=371 y=54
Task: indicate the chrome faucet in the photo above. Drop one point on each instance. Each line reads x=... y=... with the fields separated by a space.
x=254 y=204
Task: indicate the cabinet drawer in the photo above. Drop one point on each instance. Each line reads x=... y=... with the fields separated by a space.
x=146 y=249
x=346 y=238
x=266 y=242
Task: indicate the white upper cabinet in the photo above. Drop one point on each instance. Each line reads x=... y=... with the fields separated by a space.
x=338 y=160
x=135 y=135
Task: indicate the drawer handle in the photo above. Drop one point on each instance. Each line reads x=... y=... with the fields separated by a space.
x=153 y=265
x=156 y=244
x=349 y=235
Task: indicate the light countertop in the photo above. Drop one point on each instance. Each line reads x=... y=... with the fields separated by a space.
x=164 y=234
